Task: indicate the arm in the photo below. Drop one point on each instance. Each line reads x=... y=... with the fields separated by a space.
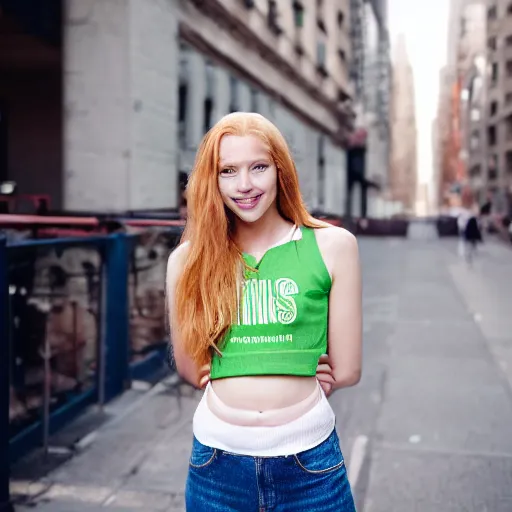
x=341 y=255
x=186 y=367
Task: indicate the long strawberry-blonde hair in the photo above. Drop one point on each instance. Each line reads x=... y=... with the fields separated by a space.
x=207 y=291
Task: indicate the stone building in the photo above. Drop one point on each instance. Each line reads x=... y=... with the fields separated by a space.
x=103 y=103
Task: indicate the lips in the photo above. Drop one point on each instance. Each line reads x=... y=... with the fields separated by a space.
x=247 y=203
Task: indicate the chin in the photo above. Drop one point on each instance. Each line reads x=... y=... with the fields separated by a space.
x=248 y=217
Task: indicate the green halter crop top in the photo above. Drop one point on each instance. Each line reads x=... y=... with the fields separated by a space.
x=281 y=327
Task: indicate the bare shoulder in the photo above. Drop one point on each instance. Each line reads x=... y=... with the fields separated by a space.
x=335 y=238
x=337 y=245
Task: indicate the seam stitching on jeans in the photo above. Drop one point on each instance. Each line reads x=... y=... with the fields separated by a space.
x=318 y=471
x=208 y=462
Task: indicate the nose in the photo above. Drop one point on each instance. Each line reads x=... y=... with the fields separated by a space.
x=244 y=184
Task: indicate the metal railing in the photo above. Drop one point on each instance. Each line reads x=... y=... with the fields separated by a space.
x=148 y=255
x=82 y=317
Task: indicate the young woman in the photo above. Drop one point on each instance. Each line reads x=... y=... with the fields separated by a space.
x=265 y=313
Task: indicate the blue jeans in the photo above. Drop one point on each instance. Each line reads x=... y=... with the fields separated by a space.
x=314 y=480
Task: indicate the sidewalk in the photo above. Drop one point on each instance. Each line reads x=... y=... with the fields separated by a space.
x=137 y=461
x=428 y=429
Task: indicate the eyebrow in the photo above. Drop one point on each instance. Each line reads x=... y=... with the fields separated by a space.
x=227 y=163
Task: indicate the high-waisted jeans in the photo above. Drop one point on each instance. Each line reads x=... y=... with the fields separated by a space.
x=314 y=480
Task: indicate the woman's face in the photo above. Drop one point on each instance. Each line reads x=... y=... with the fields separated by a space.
x=247 y=177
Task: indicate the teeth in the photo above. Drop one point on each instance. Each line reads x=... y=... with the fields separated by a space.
x=246 y=201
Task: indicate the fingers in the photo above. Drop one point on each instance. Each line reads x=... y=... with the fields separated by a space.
x=324 y=359
x=203 y=381
x=325 y=377
x=323 y=368
x=204 y=369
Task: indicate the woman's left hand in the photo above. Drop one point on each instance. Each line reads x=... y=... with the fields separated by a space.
x=324 y=374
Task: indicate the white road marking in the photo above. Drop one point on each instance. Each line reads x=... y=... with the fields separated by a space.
x=357 y=456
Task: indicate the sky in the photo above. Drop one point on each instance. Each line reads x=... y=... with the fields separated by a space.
x=425 y=27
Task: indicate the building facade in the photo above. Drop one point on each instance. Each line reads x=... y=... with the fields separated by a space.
x=293 y=69
x=371 y=74
x=475 y=108
x=128 y=89
x=450 y=173
x=475 y=130
x=403 y=172
x=498 y=175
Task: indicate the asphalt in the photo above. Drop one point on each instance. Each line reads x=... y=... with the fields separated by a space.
x=429 y=427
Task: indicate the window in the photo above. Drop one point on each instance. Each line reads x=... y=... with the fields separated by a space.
x=491 y=135
x=320 y=15
x=182 y=112
x=254 y=100
x=494 y=73
x=494 y=108
x=475 y=140
x=298 y=13
x=475 y=115
x=492 y=13
x=233 y=94
x=508 y=67
x=491 y=43
x=321 y=173
x=208 y=111
x=508 y=98
x=475 y=171
x=509 y=9
x=273 y=16
x=320 y=54
x=341 y=19
x=508 y=160
x=508 y=127
x=209 y=96
x=508 y=41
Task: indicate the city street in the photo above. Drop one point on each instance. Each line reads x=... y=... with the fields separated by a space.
x=429 y=427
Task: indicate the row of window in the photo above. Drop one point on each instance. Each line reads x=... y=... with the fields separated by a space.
x=493 y=107
x=492 y=42
x=492 y=12
x=209 y=100
x=299 y=13
x=492 y=134
x=492 y=171
x=495 y=71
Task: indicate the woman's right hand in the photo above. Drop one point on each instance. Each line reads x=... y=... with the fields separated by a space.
x=204 y=375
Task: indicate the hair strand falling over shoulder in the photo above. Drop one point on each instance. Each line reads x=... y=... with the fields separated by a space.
x=208 y=289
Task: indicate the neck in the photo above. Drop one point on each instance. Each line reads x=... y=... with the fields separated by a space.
x=264 y=232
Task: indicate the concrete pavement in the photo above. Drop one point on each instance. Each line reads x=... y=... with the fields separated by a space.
x=429 y=428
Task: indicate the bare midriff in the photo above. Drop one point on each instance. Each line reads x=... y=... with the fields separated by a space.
x=263 y=400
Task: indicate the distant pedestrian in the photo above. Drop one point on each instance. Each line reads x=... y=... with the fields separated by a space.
x=472 y=237
x=485 y=214
x=259 y=293
x=464 y=214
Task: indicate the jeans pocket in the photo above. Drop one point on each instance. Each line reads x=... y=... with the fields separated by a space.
x=324 y=458
x=202 y=455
